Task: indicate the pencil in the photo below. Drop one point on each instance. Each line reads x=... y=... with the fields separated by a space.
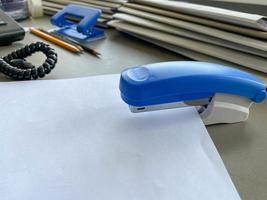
x=56 y=41
x=85 y=47
x=61 y=38
x=91 y=51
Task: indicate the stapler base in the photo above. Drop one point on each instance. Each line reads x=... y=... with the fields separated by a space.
x=225 y=108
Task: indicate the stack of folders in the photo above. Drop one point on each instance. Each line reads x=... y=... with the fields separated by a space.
x=251 y=6
x=108 y=7
x=199 y=32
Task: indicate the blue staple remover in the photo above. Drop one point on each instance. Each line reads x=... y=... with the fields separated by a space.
x=221 y=94
x=85 y=30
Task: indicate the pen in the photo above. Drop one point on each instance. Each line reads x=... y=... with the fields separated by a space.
x=54 y=40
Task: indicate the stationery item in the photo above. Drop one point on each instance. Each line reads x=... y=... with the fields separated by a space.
x=10 y=30
x=63 y=3
x=198 y=28
x=91 y=51
x=85 y=30
x=236 y=57
x=228 y=16
x=218 y=90
x=50 y=6
x=193 y=55
x=109 y=4
x=196 y=37
x=61 y=38
x=108 y=8
x=247 y=6
x=233 y=44
x=16 y=67
x=84 y=47
x=207 y=22
x=101 y=22
x=56 y=41
x=76 y=139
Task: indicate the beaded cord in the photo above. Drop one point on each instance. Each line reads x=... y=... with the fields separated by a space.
x=16 y=67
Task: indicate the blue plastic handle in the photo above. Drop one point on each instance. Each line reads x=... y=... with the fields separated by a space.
x=184 y=81
x=87 y=15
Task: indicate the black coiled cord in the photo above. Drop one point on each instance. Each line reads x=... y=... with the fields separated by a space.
x=16 y=67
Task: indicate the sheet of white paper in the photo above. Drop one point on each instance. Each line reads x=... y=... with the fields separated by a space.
x=76 y=140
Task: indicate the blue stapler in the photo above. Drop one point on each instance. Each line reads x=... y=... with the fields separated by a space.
x=85 y=30
x=221 y=94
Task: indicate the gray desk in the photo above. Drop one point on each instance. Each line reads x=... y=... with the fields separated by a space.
x=242 y=146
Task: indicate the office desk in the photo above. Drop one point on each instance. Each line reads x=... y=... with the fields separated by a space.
x=242 y=146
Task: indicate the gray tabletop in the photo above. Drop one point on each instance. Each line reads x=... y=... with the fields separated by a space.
x=242 y=146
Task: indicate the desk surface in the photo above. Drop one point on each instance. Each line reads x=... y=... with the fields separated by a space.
x=242 y=146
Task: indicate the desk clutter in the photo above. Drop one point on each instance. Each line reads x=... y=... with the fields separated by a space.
x=74 y=36
x=76 y=139
x=199 y=32
x=108 y=7
x=70 y=36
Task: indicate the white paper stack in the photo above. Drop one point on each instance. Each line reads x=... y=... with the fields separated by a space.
x=199 y=32
x=108 y=7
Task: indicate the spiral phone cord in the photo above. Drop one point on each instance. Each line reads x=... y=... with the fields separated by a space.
x=16 y=67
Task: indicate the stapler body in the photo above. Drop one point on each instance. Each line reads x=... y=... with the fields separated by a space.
x=221 y=94
x=85 y=30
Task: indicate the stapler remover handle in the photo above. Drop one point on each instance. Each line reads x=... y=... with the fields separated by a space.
x=228 y=92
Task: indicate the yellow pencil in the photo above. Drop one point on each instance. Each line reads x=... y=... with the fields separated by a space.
x=56 y=36
x=54 y=40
